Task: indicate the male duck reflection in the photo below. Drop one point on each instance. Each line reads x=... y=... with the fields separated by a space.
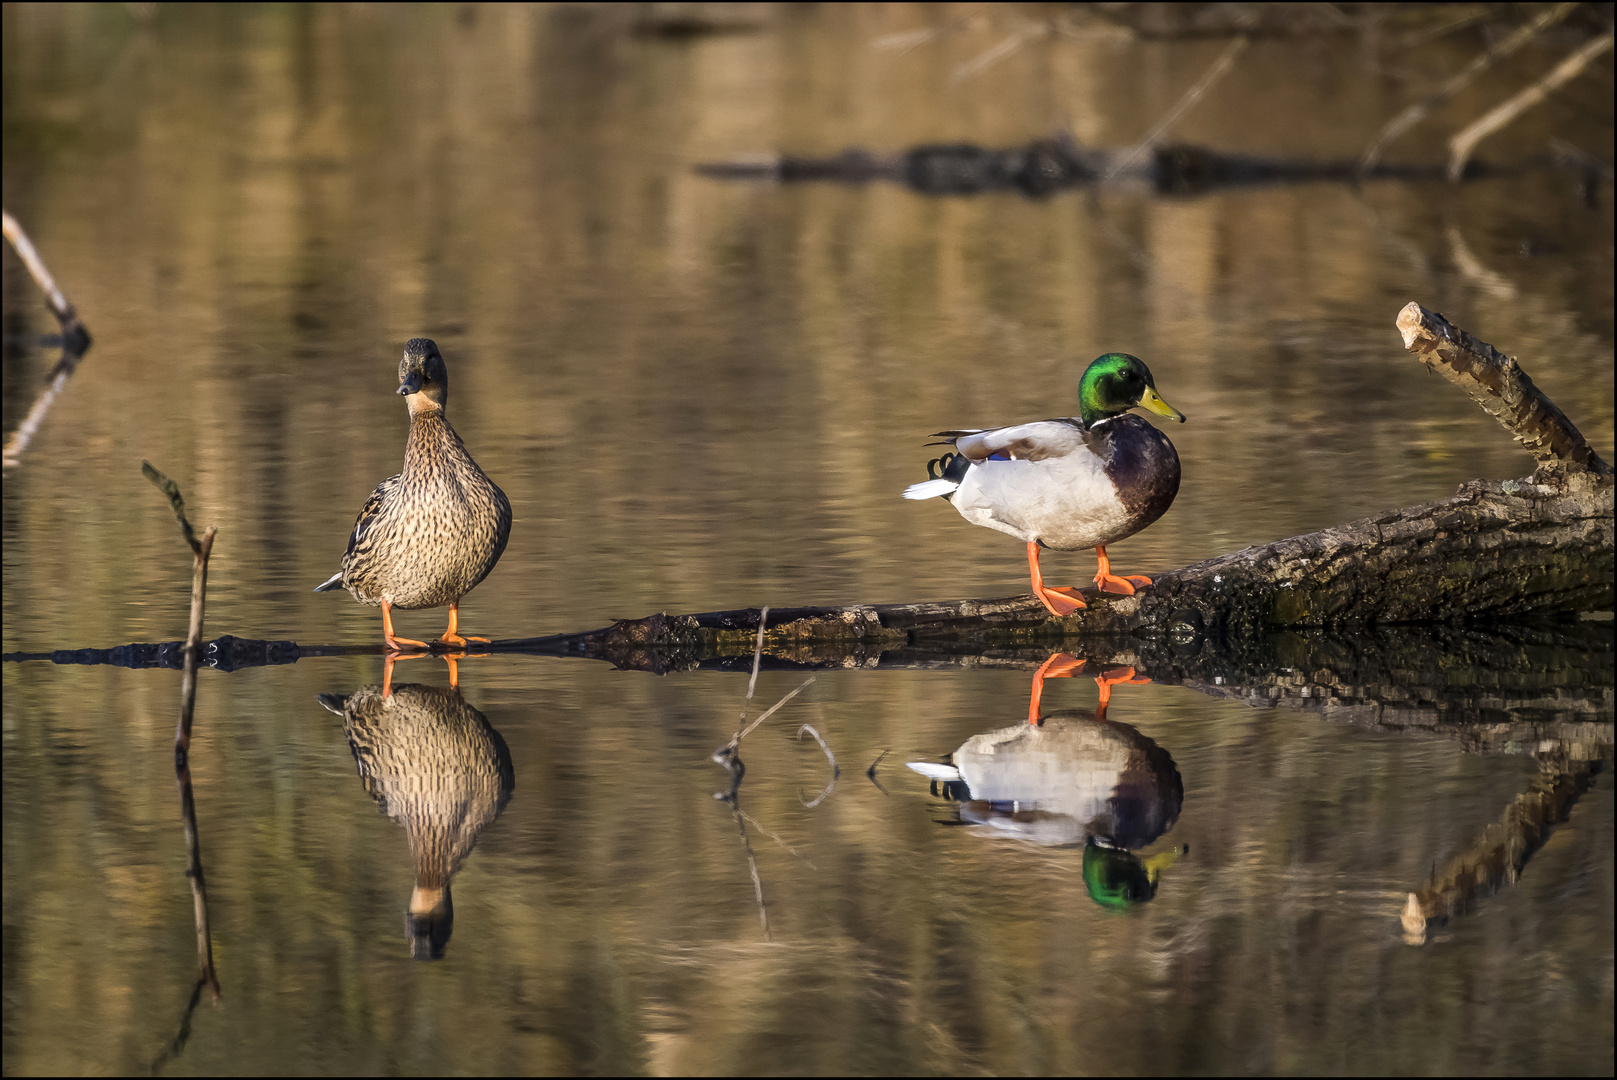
x=436 y=766
x=1068 y=778
x=1068 y=483
x=427 y=536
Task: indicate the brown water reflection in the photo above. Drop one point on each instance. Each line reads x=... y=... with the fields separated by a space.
x=698 y=396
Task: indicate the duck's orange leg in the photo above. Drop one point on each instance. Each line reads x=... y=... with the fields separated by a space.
x=450 y=636
x=1108 y=679
x=395 y=644
x=1059 y=666
x=1060 y=601
x=1110 y=582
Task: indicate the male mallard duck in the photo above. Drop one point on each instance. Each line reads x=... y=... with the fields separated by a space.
x=427 y=536
x=1069 y=483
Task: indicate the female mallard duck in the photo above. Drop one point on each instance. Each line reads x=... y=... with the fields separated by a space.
x=427 y=536
x=1069 y=483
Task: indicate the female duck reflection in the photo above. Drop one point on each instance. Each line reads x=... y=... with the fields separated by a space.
x=436 y=766
x=1067 y=778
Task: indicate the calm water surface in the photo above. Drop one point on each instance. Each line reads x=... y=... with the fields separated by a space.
x=702 y=395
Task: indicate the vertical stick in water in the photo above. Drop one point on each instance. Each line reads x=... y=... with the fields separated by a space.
x=200 y=550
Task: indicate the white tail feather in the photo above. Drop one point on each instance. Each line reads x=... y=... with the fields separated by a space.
x=933 y=771
x=930 y=489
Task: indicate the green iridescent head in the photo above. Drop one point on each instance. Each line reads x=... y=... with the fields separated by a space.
x=1116 y=383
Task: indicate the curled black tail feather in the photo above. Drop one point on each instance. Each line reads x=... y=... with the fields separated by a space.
x=948 y=467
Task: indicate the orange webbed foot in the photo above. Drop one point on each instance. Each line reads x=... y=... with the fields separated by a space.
x=1113 y=583
x=1060 y=601
x=458 y=641
x=1123 y=586
x=395 y=643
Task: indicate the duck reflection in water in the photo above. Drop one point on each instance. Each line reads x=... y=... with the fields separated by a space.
x=436 y=766
x=1067 y=778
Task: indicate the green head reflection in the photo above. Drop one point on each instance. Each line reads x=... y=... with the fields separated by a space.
x=1119 y=879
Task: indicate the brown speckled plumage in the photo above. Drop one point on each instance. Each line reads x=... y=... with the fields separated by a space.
x=427 y=536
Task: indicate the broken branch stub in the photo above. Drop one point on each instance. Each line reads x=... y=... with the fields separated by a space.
x=1498 y=383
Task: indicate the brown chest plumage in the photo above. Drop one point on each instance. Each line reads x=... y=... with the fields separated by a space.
x=427 y=536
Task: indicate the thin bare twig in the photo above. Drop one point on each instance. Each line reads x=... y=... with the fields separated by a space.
x=75 y=341
x=1461 y=145
x=790 y=850
x=773 y=708
x=1429 y=104
x=1209 y=79
x=200 y=550
x=836 y=771
x=757 y=657
x=1432 y=33
x=1473 y=269
x=752 y=866
x=995 y=53
x=870 y=773
x=176 y=502
x=906 y=41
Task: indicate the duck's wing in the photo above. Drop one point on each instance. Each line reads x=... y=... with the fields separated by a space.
x=372 y=510
x=1020 y=442
x=367 y=517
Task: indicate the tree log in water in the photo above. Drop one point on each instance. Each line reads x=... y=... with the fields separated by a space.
x=1495 y=550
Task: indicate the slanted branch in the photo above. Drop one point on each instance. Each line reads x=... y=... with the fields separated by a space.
x=75 y=340
x=1498 y=384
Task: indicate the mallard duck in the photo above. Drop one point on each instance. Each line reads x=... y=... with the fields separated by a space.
x=1071 y=482
x=427 y=536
